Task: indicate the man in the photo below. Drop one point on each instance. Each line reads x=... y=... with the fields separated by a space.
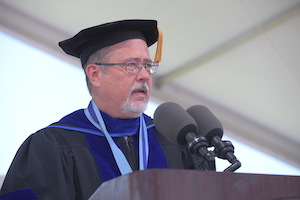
x=71 y=158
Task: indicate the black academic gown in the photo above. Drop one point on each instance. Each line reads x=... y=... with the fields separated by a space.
x=56 y=163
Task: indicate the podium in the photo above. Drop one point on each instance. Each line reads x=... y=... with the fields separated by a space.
x=164 y=184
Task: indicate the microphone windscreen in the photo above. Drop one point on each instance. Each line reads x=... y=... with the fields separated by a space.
x=208 y=124
x=174 y=122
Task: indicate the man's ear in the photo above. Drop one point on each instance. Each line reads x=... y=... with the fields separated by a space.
x=94 y=74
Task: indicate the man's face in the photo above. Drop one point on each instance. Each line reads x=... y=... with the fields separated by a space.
x=122 y=94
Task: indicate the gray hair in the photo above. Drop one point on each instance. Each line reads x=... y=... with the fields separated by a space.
x=98 y=56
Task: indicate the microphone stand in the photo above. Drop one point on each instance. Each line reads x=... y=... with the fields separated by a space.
x=225 y=150
x=198 y=145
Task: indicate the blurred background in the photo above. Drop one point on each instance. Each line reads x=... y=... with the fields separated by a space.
x=239 y=58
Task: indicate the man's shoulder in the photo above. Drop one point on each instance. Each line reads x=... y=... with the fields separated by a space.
x=59 y=136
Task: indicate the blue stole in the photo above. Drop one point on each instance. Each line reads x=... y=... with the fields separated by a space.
x=100 y=147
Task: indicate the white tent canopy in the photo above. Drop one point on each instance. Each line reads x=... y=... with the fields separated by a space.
x=240 y=58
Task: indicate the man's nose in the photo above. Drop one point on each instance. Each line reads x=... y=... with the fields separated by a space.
x=143 y=74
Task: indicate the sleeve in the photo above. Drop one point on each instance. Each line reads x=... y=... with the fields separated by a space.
x=177 y=156
x=39 y=163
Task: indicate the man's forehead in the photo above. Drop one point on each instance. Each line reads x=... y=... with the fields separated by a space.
x=133 y=49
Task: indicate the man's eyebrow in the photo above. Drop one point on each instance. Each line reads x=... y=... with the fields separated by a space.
x=148 y=60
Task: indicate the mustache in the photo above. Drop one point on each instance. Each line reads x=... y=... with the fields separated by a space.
x=140 y=86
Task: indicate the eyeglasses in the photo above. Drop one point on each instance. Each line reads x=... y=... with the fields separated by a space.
x=134 y=67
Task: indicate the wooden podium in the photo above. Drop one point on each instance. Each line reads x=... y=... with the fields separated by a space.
x=165 y=184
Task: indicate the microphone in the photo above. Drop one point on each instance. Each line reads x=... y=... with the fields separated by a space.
x=208 y=125
x=211 y=128
x=179 y=127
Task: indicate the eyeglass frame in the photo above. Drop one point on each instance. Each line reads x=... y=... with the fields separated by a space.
x=154 y=66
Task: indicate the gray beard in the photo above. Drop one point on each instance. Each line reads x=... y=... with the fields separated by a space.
x=129 y=107
x=132 y=108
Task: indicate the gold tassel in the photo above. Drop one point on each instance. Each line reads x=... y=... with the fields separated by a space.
x=158 y=54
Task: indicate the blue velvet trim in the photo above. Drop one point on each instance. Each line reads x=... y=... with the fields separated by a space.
x=24 y=194
x=106 y=163
x=99 y=146
x=77 y=119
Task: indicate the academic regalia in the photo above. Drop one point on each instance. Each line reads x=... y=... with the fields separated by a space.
x=69 y=159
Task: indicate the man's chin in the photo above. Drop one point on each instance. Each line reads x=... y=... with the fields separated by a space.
x=135 y=109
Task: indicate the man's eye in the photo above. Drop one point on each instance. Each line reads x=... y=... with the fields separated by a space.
x=148 y=65
x=131 y=64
